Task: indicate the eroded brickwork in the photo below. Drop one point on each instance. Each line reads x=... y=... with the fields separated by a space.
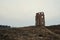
x=40 y=19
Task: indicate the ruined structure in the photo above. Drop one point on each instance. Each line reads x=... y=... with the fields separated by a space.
x=38 y=32
x=40 y=19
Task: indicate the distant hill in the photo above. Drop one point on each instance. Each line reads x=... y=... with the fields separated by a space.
x=4 y=26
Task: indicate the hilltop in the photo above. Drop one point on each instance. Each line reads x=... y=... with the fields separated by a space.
x=30 y=33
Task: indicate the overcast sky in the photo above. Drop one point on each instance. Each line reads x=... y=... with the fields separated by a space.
x=19 y=13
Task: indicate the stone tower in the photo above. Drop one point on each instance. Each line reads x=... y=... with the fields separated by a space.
x=40 y=20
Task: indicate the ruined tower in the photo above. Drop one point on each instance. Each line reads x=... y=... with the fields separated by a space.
x=40 y=20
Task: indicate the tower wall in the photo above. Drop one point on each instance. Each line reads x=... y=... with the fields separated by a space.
x=40 y=19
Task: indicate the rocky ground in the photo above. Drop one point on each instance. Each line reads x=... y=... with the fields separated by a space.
x=28 y=33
